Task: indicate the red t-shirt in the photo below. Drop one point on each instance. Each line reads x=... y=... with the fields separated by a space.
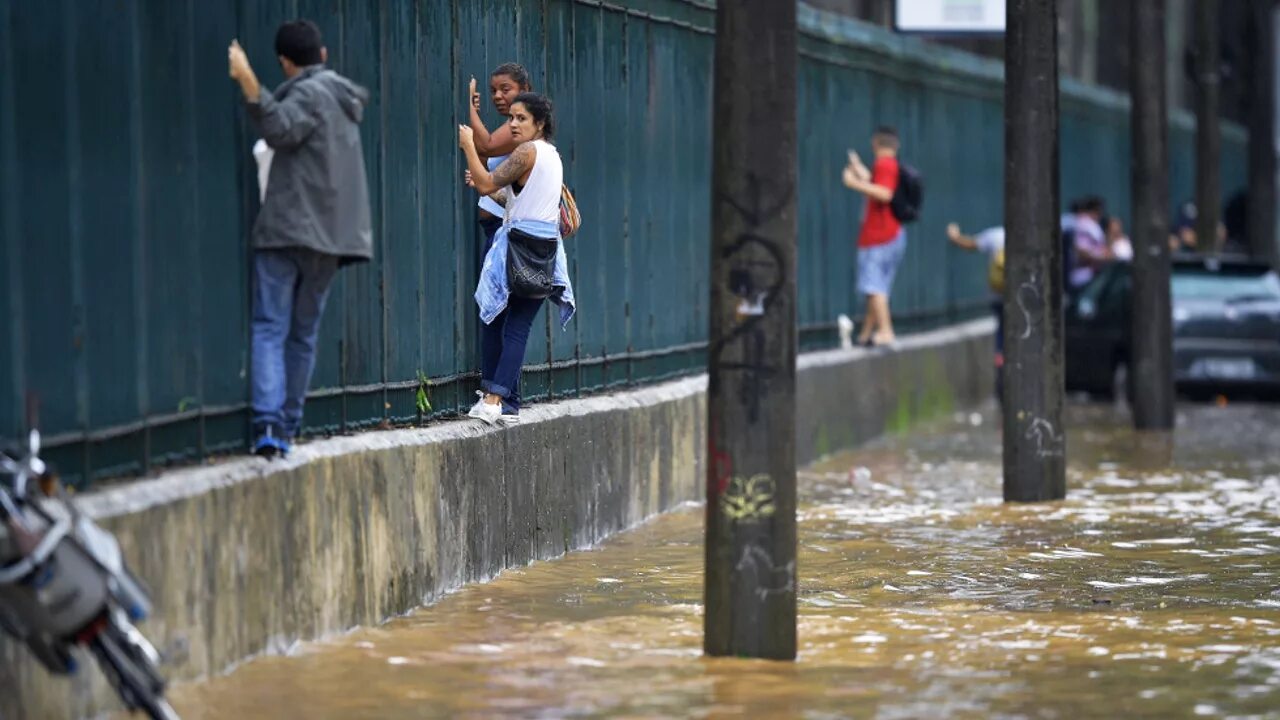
x=879 y=226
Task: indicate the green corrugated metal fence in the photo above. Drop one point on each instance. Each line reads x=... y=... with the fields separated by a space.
x=127 y=191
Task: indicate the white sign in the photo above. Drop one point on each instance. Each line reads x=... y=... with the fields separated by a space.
x=950 y=16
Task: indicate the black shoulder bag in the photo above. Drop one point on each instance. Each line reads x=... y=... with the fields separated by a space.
x=531 y=265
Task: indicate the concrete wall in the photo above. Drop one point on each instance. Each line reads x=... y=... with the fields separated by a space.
x=250 y=556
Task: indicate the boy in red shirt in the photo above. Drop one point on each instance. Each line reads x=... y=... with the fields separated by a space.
x=883 y=241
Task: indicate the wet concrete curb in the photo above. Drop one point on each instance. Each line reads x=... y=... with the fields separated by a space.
x=250 y=556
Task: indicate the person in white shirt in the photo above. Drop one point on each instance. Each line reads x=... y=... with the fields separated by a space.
x=989 y=242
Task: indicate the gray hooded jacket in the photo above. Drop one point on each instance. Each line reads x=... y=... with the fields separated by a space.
x=317 y=194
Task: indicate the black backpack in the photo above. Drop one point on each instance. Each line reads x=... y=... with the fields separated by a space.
x=909 y=195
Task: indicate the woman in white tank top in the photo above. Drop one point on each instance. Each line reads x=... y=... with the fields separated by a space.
x=531 y=179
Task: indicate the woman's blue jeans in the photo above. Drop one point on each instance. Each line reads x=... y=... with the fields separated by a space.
x=502 y=346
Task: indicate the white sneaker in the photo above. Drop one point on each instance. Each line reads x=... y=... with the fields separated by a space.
x=475 y=409
x=490 y=414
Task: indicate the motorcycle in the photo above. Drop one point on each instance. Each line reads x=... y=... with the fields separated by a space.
x=64 y=585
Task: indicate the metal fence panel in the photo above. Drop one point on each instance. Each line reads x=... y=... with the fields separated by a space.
x=127 y=195
x=401 y=231
x=615 y=251
x=52 y=357
x=111 y=331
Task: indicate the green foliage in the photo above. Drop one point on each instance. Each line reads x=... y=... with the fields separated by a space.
x=423 y=398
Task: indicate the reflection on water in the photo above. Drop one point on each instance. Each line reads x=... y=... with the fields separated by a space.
x=1151 y=591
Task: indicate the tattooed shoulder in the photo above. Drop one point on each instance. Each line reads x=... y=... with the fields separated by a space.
x=514 y=167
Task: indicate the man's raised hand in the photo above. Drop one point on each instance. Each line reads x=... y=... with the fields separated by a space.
x=237 y=62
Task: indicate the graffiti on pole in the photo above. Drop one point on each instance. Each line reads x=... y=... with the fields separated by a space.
x=1029 y=291
x=1048 y=441
x=749 y=499
x=770 y=579
x=757 y=272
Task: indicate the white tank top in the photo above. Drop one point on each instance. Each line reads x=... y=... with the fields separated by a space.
x=540 y=199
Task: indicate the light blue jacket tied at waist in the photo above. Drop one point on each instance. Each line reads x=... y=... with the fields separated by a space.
x=492 y=292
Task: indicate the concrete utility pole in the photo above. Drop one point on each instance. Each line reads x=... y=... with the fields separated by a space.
x=1263 y=243
x=751 y=463
x=1151 y=369
x=1208 y=126
x=1034 y=436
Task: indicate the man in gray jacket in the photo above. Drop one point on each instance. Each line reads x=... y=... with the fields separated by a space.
x=314 y=218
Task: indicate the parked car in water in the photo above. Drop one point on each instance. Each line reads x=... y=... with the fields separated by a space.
x=1226 y=328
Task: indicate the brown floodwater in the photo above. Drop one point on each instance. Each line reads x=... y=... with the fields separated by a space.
x=1152 y=591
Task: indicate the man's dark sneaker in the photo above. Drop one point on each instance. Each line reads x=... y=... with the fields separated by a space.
x=270 y=445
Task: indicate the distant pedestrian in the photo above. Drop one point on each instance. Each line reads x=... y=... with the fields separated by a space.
x=1090 y=242
x=989 y=242
x=526 y=263
x=314 y=218
x=1185 y=239
x=1182 y=238
x=505 y=82
x=882 y=243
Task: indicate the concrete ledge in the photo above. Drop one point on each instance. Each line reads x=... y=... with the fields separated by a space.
x=847 y=397
x=251 y=556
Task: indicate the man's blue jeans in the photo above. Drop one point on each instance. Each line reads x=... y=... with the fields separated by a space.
x=290 y=286
x=502 y=345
